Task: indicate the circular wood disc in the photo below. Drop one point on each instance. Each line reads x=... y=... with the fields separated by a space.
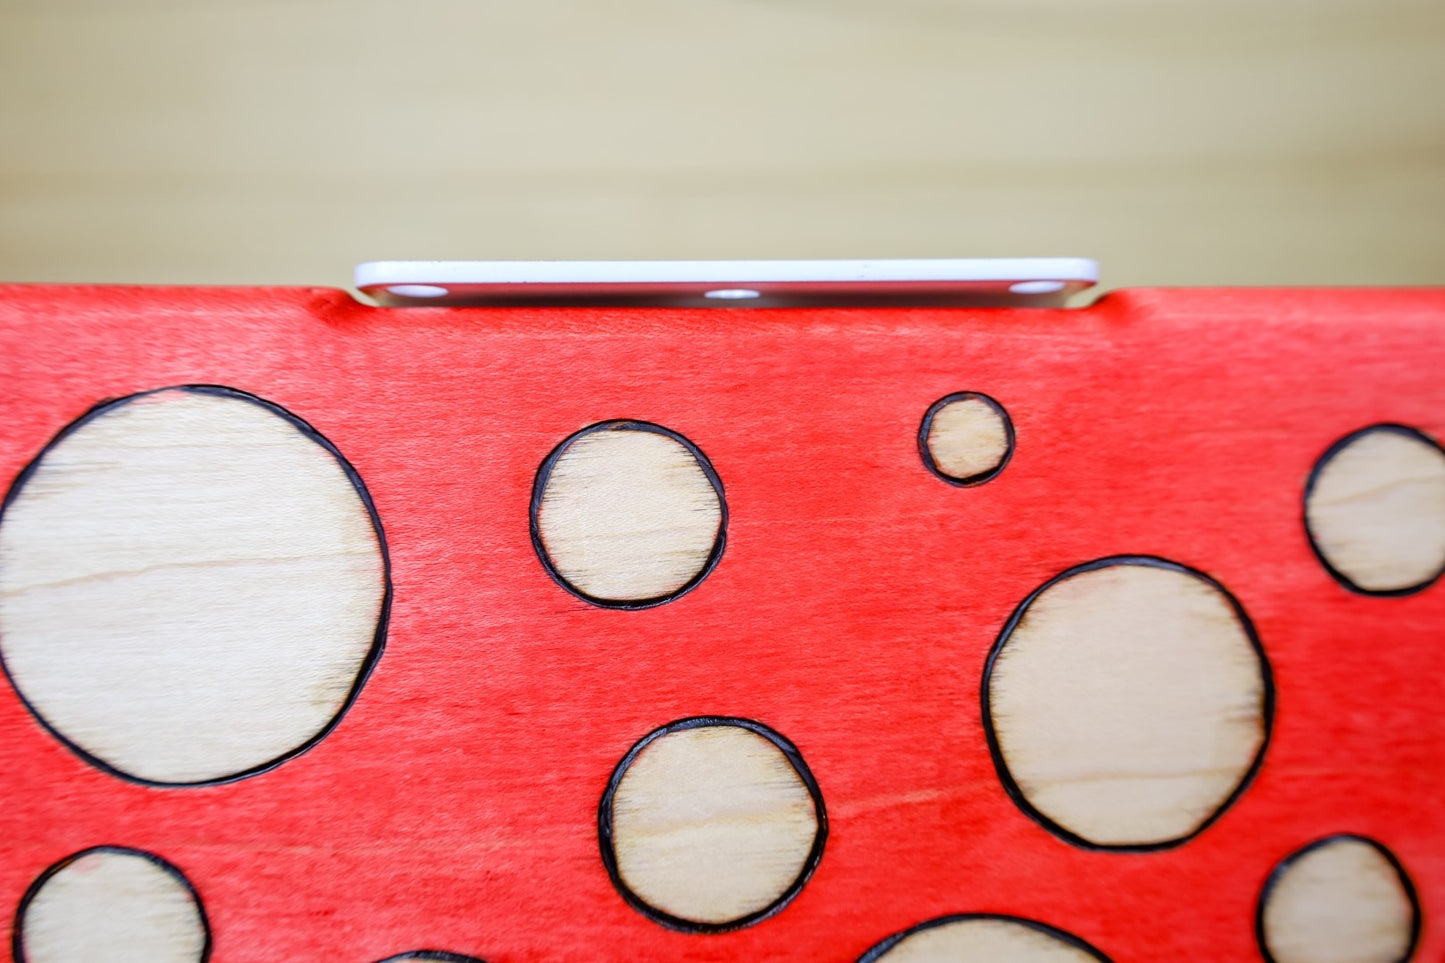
x=1127 y=702
x=192 y=586
x=966 y=438
x=982 y=938
x=1342 y=899
x=628 y=514
x=111 y=905
x=711 y=824
x=1375 y=510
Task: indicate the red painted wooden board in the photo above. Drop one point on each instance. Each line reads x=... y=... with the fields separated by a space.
x=455 y=805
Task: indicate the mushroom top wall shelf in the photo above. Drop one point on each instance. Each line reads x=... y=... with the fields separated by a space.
x=607 y=631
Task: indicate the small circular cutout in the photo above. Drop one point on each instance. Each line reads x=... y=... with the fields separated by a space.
x=418 y=290
x=1341 y=899
x=966 y=438
x=628 y=514
x=711 y=824
x=111 y=904
x=1037 y=287
x=733 y=294
x=983 y=938
x=1127 y=703
x=1375 y=510
x=195 y=585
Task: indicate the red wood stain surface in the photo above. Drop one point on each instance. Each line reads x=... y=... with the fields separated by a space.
x=455 y=805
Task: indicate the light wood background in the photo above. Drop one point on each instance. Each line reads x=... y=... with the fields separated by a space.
x=1179 y=141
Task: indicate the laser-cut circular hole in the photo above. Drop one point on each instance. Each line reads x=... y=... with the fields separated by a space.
x=711 y=824
x=966 y=438
x=1375 y=510
x=193 y=586
x=111 y=904
x=733 y=294
x=983 y=938
x=1037 y=287
x=628 y=514
x=1127 y=703
x=1342 y=899
x=418 y=290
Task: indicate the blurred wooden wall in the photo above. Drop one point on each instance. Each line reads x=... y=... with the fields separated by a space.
x=259 y=141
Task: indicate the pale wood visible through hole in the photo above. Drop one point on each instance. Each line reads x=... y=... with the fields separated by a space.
x=984 y=941
x=189 y=586
x=628 y=514
x=711 y=824
x=1376 y=510
x=1341 y=902
x=1128 y=704
x=113 y=907
x=967 y=438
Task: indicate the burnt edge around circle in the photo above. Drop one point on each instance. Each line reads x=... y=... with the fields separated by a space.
x=1267 y=706
x=1321 y=462
x=383 y=616
x=539 y=489
x=879 y=949
x=1283 y=866
x=17 y=935
x=927 y=426
x=810 y=863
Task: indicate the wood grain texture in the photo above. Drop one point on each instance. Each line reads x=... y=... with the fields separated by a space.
x=1375 y=508
x=628 y=513
x=456 y=806
x=1340 y=900
x=967 y=438
x=982 y=939
x=712 y=824
x=1128 y=702
x=190 y=586
x=111 y=905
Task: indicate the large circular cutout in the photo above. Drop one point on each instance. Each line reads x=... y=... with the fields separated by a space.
x=966 y=438
x=628 y=514
x=1342 y=899
x=111 y=905
x=193 y=585
x=982 y=938
x=1375 y=510
x=1127 y=702
x=711 y=824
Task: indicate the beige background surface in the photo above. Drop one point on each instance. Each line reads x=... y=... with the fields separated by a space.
x=1178 y=141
